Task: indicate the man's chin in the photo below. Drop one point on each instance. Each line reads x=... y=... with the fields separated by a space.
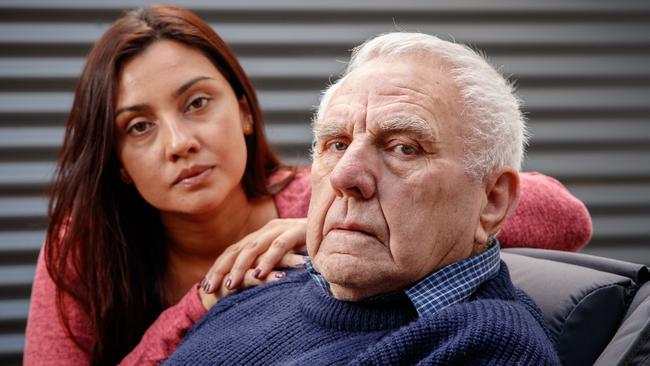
x=351 y=285
x=351 y=278
x=343 y=269
x=352 y=294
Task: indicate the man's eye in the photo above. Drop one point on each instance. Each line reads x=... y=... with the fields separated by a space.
x=197 y=103
x=139 y=127
x=405 y=149
x=338 y=146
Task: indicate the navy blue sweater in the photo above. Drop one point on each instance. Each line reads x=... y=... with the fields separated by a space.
x=292 y=322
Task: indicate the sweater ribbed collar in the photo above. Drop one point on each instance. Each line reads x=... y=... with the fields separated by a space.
x=449 y=285
x=383 y=313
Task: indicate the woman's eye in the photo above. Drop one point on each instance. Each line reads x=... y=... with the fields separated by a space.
x=197 y=103
x=139 y=127
x=405 y=149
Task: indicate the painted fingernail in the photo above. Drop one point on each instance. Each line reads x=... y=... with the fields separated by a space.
x=257 y=272
x=280 y=274
x=228 y=283
x=207 y=287
x=203 y=282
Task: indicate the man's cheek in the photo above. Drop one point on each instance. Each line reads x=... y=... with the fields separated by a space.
x=315 y=223
x=314 y=235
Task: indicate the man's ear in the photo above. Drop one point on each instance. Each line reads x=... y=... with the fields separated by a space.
x=502 y=195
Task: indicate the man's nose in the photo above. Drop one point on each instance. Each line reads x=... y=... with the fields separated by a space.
x=355 y=173
x=180 y=140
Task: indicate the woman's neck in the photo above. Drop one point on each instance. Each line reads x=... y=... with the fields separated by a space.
x=195 y=241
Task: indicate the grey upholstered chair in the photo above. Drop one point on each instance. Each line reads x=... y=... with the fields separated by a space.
x=597 y=309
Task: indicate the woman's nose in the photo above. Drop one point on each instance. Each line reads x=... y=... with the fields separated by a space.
x=180 y=140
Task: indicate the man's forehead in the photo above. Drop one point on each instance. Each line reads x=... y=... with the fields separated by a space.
x=393 y=96
x=383 y=78
x=424 y=82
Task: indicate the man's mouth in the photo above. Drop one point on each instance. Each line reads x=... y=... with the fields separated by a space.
x=355 y=228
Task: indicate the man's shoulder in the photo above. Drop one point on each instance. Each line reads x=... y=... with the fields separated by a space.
x=498 y=316
x=295 y=278
x=498 y=303
x=275 y=292
x=507 y=313
x=478 y=331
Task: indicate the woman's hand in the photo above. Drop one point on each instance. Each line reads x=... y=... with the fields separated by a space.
x=250 y=262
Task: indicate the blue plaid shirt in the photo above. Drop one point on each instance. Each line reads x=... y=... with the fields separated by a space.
x=447 y=286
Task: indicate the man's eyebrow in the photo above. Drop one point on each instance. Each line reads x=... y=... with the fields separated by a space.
x=326 y=129
x=408 y=124
x=183 y=88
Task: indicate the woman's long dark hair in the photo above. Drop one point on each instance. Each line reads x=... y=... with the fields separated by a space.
x=105 y=244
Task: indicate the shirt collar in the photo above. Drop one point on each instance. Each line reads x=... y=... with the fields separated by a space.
x=454 y=283
x=447 y=286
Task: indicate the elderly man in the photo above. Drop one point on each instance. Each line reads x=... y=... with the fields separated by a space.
x=414 y=172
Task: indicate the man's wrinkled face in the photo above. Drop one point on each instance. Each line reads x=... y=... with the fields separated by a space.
x=391 y=201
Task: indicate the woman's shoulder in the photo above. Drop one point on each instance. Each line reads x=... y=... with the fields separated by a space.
x=548 y=216
x=293 y=199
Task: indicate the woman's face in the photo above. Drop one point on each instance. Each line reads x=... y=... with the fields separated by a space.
x=180 y=129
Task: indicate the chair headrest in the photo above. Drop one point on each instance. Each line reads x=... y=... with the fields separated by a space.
x=583 y=306
x=631 y=343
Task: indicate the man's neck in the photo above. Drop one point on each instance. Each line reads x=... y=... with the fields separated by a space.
x=444 y=287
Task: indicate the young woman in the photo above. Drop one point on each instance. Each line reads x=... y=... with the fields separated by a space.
x=164 y=166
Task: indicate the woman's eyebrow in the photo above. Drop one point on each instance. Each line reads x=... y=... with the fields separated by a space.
x=189 y=84
x=183 y=88
x=132 y=108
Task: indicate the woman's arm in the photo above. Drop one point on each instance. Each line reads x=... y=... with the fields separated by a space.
x=548 y=217
x=46 y=341
x=164 y=335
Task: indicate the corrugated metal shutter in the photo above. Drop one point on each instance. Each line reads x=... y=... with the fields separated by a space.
x=583 y=70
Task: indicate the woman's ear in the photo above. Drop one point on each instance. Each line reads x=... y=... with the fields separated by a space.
x=245 y=116
x=502 y=195
x=125 y=177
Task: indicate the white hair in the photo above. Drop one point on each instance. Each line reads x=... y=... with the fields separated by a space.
x=495 y=132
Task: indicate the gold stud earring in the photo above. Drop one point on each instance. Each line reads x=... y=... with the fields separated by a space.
x=124 y=176
x=248 y=129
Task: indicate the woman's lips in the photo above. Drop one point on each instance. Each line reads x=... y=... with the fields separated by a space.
x=193 y=177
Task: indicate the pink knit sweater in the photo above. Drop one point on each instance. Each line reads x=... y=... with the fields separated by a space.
x=548 y=216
